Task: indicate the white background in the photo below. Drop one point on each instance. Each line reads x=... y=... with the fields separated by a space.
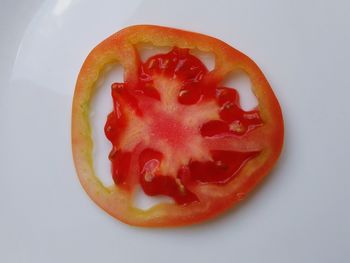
x=301 y=212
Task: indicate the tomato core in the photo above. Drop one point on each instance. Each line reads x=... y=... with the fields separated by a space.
x=159 y=127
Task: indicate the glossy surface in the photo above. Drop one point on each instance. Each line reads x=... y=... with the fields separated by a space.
x=303 y=207
x=171 y=92
x=151 y=117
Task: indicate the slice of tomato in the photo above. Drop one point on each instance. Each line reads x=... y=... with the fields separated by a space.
x=175 y=130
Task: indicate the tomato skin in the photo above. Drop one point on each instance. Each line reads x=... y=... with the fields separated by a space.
x=117 y=201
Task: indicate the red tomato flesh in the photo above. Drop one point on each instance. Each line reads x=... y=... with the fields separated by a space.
x=157 y=128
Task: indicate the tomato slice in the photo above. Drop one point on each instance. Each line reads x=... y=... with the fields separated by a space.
x=175 y=130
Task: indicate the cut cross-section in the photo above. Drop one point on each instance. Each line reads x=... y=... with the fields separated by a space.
x=179 y=131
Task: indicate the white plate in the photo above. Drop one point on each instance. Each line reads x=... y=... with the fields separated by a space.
x=300 y=214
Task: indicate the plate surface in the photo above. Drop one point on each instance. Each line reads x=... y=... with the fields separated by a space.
x=299 y=214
